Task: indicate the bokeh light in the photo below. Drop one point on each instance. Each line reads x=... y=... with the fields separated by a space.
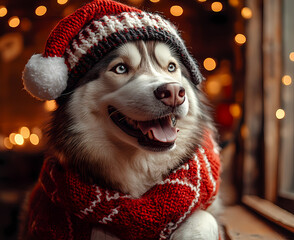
x=246 y=12
x=41 y=10
x=3 y=11
x=34 y=139
x=216 y=6
x=286 y=80
x=240 y=38
x=62 y=2
x=25 y=132
x=209 y=64
x=14 y=21
x=176 y=10
x=18 y=139
x=280 y=114
x=50 y=105
x=291 y=56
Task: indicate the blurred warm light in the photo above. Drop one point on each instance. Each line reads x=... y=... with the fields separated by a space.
x=209 y=64
x=280 y=113
x=26 y=24
x=213 y=87
x=244 y=131
x=291 y=56
x=225 y=79
x=154 y=1
x=18 y=139
x=34 y=139
x=176 y=10
x=11 y=138
x=37 y=131
x=3 y=11
x=246 y=13
x=216 y=6
x=7 y=143
x=40 y=11
x=135 y=2
x=68 y=10
x=235 y=110
x=25 y=132
x=50 y=105
x=201 y=0
x=61 y=2
x=240 y=39
x=14 y=21
x=286 y=80
x=234 y=3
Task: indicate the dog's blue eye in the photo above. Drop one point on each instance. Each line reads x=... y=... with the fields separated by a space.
x=120 y=69
x=172 y=67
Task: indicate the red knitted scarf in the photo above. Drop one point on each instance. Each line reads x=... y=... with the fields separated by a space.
x=62 y=206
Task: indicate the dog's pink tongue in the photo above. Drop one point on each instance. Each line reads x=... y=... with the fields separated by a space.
x=161 y=129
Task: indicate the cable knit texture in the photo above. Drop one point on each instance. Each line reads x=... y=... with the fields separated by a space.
x=62 y=206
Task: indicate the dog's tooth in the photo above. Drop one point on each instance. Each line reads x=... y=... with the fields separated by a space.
x=150 y=135
x=173 y=120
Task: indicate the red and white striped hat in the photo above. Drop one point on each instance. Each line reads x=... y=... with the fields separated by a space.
x=82 y=39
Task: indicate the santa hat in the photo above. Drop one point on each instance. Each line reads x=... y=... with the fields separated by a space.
x=82 y=39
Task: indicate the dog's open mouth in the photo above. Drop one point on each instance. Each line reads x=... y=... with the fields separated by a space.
x=157 y=135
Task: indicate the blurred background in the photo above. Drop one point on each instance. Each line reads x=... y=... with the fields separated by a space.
x=244 y=49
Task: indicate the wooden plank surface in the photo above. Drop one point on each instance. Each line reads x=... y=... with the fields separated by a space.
x=271 y=211
x=240 y=224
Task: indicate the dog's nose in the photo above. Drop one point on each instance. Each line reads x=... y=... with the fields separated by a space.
x=171 y=94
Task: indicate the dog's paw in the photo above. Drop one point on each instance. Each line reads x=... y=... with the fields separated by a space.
x=201 y=225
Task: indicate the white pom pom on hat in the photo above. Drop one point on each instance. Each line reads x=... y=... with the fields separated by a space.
x=45 y=77
x=83 y=38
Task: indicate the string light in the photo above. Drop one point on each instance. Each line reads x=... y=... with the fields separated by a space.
x=280 y=113
x=246 y=13
x=234 y=3
x=7 y=143
x=216 y=6
x=286 y=80
x=11 y=138
x=34 y=139
x=50 y=105
x=176 y=10
x=213 y=87
x=244 y=131
x=62 y=2
x=235 y=110
x=209 y=64
x=291 y=56
x=18 y=139
x=154 y=1
x=3 y=11
x=37 y=131
x=25 y=132
x=201 y=0
x=240 y=39
x=14 y=21
x=41 y=10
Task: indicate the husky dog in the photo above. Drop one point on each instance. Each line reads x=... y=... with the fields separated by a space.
x=132 y=146
x=140 y=108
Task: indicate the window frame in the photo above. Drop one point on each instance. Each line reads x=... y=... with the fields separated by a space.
x=264 y=70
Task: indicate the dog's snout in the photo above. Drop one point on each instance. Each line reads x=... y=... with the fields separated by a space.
x=171 y=94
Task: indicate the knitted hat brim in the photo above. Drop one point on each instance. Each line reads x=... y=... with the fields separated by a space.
x=117 y=39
